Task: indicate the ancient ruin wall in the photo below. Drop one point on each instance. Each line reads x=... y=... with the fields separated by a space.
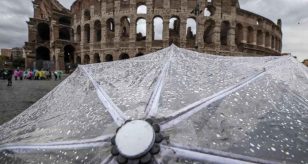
x=106 y=29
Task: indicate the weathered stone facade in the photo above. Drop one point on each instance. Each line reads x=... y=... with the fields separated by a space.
x=106 y=30
x=50 y=43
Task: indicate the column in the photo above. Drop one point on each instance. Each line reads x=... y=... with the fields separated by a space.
x=183 y=32
x=166 y=32
x=245 y=34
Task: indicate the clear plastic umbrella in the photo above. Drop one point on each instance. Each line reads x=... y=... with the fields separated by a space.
x=171 y=106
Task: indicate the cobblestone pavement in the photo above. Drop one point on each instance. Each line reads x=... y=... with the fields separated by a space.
x=15 y=99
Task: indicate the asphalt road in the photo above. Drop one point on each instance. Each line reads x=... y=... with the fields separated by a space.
x=15 y=99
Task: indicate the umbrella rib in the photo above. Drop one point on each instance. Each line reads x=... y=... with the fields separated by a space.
x=195 y=107
x=211 y=156
x=118 y=116
x=27 y=148
x=152 y=105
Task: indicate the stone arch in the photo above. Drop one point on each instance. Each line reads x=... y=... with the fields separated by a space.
x=224 y=33
x=78 y=33
x=139 y=54
x=260 y=38
x=123 y=56
x=267 y=39
x=108 y=58
x=141 y=28
x=86 y=59
x=125 y=27
x=174 y=30
x=141 y=8
x=191 y=31
x=239 y=34
x=98 y=31
x=64 y=33
x=208 y=36
x=87 y=33
x=209 y=11
x=78 y=60
x=158 y=28
x=110 y=30
x=87 y=15
x=175 y=4
x=250 y=37
x=97 y=58
x=43 y=32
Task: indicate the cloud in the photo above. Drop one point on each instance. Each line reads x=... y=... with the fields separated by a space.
x=294 y=15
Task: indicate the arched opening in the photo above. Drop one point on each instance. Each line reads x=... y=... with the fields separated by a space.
x=87 y=33
x=208 y=35
x=43 y=32
x=64 y=33
x=250 y=35
x=124 y=56
x=125 y=26
x=108 y=58
x=86 y=59
x=139 y=54
x=78 y=34
x=158 y=28
x=141 y=9
x=209 y=11
x=78 y=60
x=69 y=58
x=69 y=51
x=97 y=59
x=239 y=34
x=87 y=15
x=141 y=29
x=42 y=58
x=267 y=39
x=191 y=31
x=224 y=33
x=110 y=30
x=174 y=30
x=42 y=53
x=65 y=21
x=260 y=38
x=98 y=31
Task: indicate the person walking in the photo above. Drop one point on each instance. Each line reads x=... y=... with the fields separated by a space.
x=9 y=77
x=16 y=73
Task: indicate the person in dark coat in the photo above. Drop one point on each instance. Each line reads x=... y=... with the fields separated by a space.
x=9 y=77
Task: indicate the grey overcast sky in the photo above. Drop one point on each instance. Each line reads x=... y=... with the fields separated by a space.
x=294 y=15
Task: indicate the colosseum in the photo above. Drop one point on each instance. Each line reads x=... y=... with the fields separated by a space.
x=95 y=31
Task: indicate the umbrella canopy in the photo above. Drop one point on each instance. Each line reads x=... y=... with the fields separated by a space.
x=171 y=106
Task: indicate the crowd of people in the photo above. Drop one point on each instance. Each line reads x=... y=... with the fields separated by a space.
x=29 y=74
